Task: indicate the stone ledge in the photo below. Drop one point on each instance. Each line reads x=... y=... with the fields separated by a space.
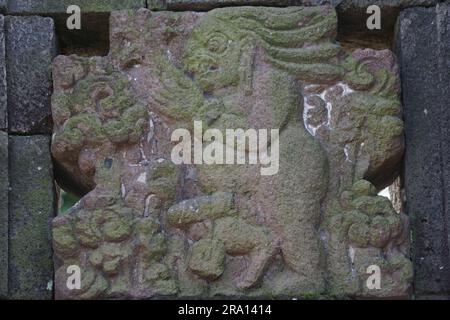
x=423 y=43
x=43 y=7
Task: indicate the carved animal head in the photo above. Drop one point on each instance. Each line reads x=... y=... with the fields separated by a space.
x=297 y=40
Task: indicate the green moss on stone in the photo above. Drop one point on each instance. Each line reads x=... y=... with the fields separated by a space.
x=207 y=258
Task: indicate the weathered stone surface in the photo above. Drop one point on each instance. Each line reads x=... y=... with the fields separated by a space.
x=4 y=185
x=60 y=6
x=3 y=6
x=423 y=44
x=31 y=209
x=30 y=48
x=3 y=100
x=198 y=230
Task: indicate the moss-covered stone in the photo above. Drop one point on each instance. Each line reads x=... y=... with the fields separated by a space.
x=198 y=230
x=64 y=240
x=32 y=206
x=372 y=233
x=93 y=285
x=88 y=233
x=117 y=229
x=196 y=210
x=207 y=258
x=363 y=188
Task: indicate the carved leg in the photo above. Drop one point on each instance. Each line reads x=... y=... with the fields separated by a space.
x=294 y=198
x=241 y=238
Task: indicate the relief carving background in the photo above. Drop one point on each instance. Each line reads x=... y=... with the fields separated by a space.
x=147 y=228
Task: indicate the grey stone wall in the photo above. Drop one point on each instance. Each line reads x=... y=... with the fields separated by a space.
x=27 y=193
x=4 y=185
x=423 y=44
x=3 y=114
x=30 y=47
x=31 y=209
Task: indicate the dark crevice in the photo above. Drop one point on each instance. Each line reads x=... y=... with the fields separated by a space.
x=205 y=6
x=353 y=32
x=67 y=182
x=91 y=40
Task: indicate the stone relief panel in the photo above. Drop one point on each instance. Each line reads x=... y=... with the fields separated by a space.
x=150 y=228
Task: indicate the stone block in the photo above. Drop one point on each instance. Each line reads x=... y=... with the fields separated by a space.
x=3 y=6
x=422 y=45
x=3 y=95
x=30 y=48
x=4 y=185
x=31 y=209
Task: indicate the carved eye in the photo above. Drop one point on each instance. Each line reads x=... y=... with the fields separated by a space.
x=217 y=43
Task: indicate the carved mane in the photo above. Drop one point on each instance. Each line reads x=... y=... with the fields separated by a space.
x=297 y=40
